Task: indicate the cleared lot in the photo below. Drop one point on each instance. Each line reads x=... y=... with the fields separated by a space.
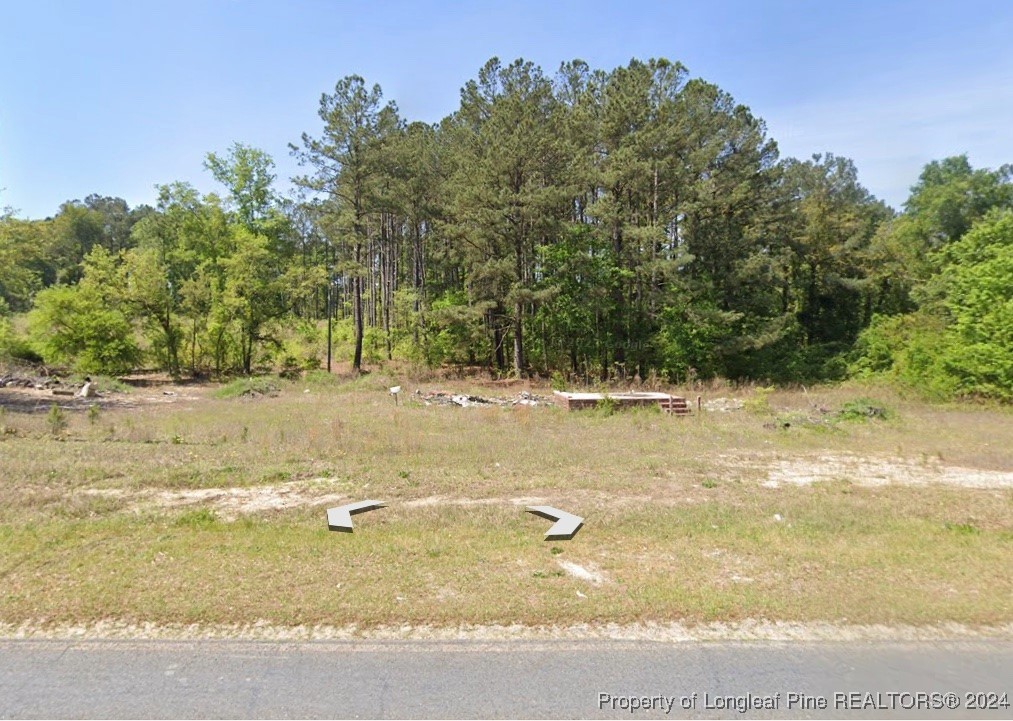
x=193 y=509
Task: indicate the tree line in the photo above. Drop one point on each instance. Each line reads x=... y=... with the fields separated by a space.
x=593 y=224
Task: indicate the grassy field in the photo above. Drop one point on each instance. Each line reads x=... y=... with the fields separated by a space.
x=198 y=508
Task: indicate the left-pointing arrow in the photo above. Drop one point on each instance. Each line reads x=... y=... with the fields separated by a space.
x=340 y=518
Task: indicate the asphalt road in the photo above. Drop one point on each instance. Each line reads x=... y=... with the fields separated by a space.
x=522 y=679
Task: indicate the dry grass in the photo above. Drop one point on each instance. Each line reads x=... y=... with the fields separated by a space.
x=679 y=525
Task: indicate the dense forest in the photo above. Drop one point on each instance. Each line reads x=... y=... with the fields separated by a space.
x=591 y=224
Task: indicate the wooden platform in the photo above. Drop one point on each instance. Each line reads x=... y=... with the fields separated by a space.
x=633 y=399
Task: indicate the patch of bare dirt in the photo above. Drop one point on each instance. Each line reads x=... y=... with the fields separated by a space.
x=591 y=574
x=230 y=503
x=452 y=501
x=33 y=399
x=873 y=471
x=668 y=632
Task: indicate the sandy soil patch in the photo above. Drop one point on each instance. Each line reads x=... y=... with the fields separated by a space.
x=28 y=400
x=230 y=503
x=866 y=471
x=578 y=571
x=675 y=632
x=430 y=501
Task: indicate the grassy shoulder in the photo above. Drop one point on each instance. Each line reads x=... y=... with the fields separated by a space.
x=682 y=520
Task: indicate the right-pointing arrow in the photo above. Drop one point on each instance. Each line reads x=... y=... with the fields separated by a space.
x=566 y=524
x=340 y=518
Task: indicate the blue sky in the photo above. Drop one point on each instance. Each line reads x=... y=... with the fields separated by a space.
x=116 y=97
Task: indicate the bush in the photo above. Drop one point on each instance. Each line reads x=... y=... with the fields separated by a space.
x=248 y=387
x=759 y=402
x=15 y=347
x=960 y=342
x=606 y=406
x=862 y=409
x=73 y=325
x=57 y=420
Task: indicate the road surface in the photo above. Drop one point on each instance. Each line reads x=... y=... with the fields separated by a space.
x=519 y=679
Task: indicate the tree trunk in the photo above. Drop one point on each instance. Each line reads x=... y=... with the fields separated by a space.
x=357 y=311
x=519 y=339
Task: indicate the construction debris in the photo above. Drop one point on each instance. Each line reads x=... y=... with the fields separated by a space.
x=724 y=405
x=443 y=398
x=87 y=390
x=52 y=384
x=23 y=381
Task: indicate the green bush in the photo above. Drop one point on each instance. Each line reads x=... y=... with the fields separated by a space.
x=71 y=324
x=257 y=386
x=606 y=406
x=960 y=342
x=759 y=402
x=56 y=419
x=201 y=518
x=862 y=409
x=14 y=346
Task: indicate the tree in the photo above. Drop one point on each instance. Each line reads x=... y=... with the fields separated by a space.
x=253 y=294
x=346 y=161
x=22 y=267
x=247 y=173
x=828 y=287
x=949 y=197
x=507 y=197
x=956 y=234
x=977 y=281
x=84 y=324
x=186 y=233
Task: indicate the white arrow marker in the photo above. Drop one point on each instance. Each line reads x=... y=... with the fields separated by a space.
x=340 y=518
x=566 y=524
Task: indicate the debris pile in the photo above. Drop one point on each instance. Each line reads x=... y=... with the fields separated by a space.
x=15 y=381
x=724 y=405
x=39 y=383
x=256 y=391
x=444 y=398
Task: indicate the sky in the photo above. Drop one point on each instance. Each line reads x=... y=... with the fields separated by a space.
x=116 y=98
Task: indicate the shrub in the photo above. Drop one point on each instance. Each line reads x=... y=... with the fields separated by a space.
x=57 y=420
x=258 y=386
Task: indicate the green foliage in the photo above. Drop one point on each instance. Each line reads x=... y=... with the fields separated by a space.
x=606 y=406
x=759 y=401
x=962 y=529
x=598 y=224
x=200 y=518
x=56 y=419
x=455 y=333
x=978 y=295
x=318 y=378
x=246 y=172
x=240 y=387
x=689 y=334
x=21 y=263
x=951 y=196
x=862 y=409
x=73 y=324
x=14 y=346
x=960 y=344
